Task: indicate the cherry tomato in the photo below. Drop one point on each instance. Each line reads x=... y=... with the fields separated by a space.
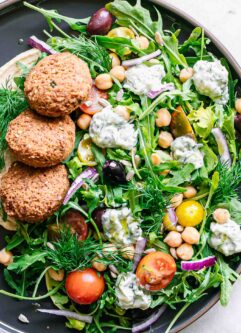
x=156 y=270
x=77 y=223
x=85 y=287
x=85 y=153
x=190 y=213
x=122 y=32
x=92 y=105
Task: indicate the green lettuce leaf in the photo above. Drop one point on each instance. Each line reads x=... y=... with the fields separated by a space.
x=203 y=121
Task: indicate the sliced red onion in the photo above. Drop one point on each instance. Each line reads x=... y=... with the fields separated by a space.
x=113 y=269
x=140 y=248
x=163 y=87
x=79 y=181
x=223 y=150
x=172 y=216
x=69 y=314
x=119 y=95
x=198 y=264
x=138 y=61
x=147 y=322
x=36 y=43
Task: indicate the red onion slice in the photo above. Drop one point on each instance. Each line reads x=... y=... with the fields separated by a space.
x=163 y=87
x=79 y=181
x=223 y=150
x=198 y=264
x=138 y=61
x=36 y=43
x=69 y=314
x=172 y=216
x=140 y=247
x=147 y=322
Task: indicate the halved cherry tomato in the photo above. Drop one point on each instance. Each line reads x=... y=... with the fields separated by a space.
x=92 y=105
x=76 y=221
x=85 y=153
x=190 y=213
x=85 y=287
x=156 y=270
x=122 y=32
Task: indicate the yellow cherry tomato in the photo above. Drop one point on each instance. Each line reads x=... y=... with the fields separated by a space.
x=85 y=153
x=122 y=32
x=190 y=213
x=167 y=223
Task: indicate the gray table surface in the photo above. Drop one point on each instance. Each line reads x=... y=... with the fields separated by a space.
x=222 y=18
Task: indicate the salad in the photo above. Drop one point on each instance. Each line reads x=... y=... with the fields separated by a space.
x=120 y=164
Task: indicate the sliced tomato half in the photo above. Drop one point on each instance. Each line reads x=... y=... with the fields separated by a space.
x=92 y=104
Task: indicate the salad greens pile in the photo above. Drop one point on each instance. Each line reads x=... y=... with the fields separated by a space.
x=150 y=186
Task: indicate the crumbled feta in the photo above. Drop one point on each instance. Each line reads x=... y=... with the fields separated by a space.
x=211 y=79
x=109 y=130
x=226 y=238
x=129 y=294
x=120 y=227
x=23 y=319
x=185 y=150
x=141 y=79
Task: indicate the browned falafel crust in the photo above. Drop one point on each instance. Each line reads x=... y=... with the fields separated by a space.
x=40 y=141
x=32 y=195
x=57 y=84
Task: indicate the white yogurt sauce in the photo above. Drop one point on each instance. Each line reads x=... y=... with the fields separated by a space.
x=129 y=294
x=141 y=79
x=109 y=130
x=211 y=79
x=120 y=227
x=185 y=150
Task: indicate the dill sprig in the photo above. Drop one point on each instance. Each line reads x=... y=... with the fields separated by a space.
x=70 y=254
x=12 y=103
x=229 y=181
x=88 y=50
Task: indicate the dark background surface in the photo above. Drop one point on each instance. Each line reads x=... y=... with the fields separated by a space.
x=19 y=23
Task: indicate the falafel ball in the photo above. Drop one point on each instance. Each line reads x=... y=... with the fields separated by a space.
x=32 y=195
x=40 y=141
x=57 y=84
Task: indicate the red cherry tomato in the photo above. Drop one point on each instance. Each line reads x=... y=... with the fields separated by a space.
x=156 y=270
x=85 y=287
x=92 y=105
x=76 y=221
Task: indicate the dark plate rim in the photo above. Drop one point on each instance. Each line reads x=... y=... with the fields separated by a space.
x=237 y=68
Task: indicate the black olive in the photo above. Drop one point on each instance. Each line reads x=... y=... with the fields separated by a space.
x=100 y=22
x=114 y=172
x=97 y=216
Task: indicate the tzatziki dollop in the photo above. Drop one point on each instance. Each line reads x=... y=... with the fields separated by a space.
x=141 y=79
x=109 y=130
x=129 y=294
x=211 y=79
x=226 y=238
x=120 y=227
x=185 y=150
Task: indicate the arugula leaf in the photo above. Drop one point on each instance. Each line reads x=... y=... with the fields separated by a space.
x=171 y=46
x=23 y=262
x=181 y=176
x=203 y=121
x=229 y=131
x=136 y=17
x=117 y=154
x=210 y=158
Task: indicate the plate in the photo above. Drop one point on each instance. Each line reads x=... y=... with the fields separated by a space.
x=16 y=25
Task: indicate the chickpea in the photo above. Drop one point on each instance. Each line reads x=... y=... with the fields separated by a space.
x=173 y=239
x=221 y=215
x=98 y=265
x=164 y=172
x=128 y=252
x=190 y=192
x=173 y=252
x=118 y=72
x=185 y=251
x=103 y=81
x=115 y=59
x=163 y=118
x=6 y=257
x=176 y=200
x=165 y=139
x=238 y=105
x=143 y=42
x=179 y=228
x=158 y=38
x=155 y=158
x=186 y=74
x=190 y=235
x=84 y=121
x=56 y=275
x=108 y=250
x=122 y=111
x=137 y=160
